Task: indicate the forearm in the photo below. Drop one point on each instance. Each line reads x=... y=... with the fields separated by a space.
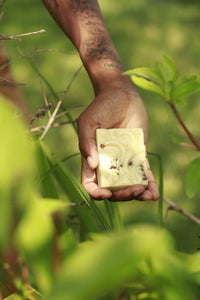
x=83 y=23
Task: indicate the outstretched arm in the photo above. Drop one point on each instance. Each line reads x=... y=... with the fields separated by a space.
x=116 y=102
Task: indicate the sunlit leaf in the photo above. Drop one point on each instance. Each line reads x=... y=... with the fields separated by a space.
x=147 y=84
x=36 y=227
x=16 y=167
x=192 y=183
x=150 y=74
x=144 y=252
x=34 y=237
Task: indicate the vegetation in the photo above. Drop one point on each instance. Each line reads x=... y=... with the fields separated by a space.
x=55 y=241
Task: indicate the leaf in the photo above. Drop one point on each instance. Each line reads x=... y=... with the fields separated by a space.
x=90 y=215
x=34 y=236
x=170 y=65
x=14 y=297
x=147 y=79
x=187 y=88
x=184 y=79
x=150 y=74
x=192 y=181
x=143 y=253
x=16 y=167
x=167 y=70
x=36 y=227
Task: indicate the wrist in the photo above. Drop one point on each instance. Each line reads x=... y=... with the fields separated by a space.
x=102 y=63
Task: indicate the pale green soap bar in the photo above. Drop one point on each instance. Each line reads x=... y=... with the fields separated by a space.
x=121 y=154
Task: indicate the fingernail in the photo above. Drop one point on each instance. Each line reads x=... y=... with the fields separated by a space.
x=136 y=194
x=91 y=162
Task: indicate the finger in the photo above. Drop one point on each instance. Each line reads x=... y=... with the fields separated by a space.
x=87 y=140
x=89 y=181
x=151 y=192
x=128 y=193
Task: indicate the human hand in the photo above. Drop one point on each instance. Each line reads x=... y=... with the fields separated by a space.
x=116 y=106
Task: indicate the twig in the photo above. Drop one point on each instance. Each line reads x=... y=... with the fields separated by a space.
x=193 y=140
x=7 y=82
x=53 y=116
x=78 y=203
x=54 y=125
x=173 y=206
x=30 y=53
x=2 y=3
x=69 y=110
x=18 y=36
x=43 y=91
x=186 y=146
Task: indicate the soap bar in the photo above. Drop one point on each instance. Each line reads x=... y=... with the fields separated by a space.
x=121 y=154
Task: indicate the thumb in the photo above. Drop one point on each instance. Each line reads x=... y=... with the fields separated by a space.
x=87 y=143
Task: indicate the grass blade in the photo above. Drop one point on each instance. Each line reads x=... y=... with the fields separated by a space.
x=160 y=201
x=113 y=212
x=90 y=214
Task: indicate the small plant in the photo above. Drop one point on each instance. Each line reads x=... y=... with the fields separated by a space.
x=163 y=80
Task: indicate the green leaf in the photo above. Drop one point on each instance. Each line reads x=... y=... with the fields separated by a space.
x=192 y=182
x=142 y=253
x=150 y=74
x=170 y=67
x=90 y=215
x=44 y=178
x=16 y=167
x=184 y=79
x=187 y=88
x=34 y=236
x=146 y=78
x=167 y=70
x=14 y=297
x=36 y=226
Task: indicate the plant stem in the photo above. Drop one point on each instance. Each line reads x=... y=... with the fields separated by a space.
x=193 y=140
x=160 y=201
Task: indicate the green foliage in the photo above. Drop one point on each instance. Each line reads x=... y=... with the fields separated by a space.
x=145 y=253
x=16 y=161
x=67 y=262
x=164 y=81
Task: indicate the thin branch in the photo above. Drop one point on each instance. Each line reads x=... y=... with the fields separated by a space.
x=78 y=203
x=42 y=88
x=69 y=110
x=187 y=146
x=30 y=53
x=18 y=36
x=173 y=206
x=7 y=82
x=193 y=140
x=54 y=125
x=53 y=116
x=2 y=3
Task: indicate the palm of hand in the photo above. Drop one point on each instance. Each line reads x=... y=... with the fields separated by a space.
x=112 y=108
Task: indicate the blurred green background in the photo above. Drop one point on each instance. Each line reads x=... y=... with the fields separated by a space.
x=142 y=30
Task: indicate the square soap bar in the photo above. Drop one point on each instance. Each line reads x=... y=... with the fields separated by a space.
x=122 y=161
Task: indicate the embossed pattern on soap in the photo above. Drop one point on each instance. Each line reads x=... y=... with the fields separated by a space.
x=121 y=155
